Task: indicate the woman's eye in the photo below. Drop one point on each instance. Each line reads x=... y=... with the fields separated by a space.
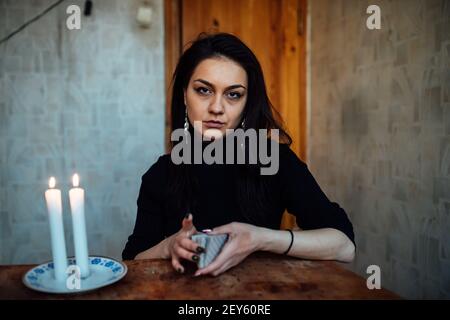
x=234 y=95
x=203 y=90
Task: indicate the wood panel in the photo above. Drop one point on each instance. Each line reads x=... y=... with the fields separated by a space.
x=293 y=80
x=172 y=47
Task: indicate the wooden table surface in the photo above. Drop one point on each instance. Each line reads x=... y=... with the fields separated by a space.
x=260 y=276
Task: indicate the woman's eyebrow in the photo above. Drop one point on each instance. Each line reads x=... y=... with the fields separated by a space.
x=234 y=86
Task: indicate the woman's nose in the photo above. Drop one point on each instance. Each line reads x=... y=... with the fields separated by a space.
x=216 y=106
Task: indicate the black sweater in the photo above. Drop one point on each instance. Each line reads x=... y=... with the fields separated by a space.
x=292 y=188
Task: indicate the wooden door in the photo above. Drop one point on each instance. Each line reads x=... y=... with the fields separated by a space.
x=275 y=30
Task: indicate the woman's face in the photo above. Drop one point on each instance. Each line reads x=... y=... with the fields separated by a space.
x=216 y=96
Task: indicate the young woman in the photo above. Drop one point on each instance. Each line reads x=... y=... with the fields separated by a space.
x=219 y=84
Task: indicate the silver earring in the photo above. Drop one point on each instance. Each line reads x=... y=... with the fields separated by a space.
x=243 y=127
x=186 y=122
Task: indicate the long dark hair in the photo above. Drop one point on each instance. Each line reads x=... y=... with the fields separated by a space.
x=258 y=114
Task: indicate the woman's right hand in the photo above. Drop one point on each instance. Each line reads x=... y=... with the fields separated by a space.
x=182 y=247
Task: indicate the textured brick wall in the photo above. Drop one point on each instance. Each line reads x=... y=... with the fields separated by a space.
x=90 y=101
x=380 y=134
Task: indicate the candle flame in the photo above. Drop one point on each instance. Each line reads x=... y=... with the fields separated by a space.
x=52 y=182
x=75 y=180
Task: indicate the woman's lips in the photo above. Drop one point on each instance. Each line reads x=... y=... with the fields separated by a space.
x=214 y=124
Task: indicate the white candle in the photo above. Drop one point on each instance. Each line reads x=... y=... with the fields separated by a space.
x=54 y=208
x=76 y=196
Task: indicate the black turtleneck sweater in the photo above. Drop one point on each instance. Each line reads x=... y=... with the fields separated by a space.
x=292 y=188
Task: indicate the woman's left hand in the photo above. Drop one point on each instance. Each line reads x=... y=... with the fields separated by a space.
x=242 y=241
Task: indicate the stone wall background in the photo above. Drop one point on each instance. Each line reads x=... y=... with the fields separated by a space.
x=380 y=134
x=89 y=101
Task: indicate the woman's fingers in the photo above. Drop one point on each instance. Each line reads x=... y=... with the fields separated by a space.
x=187 y=223
x=222 y=259
x=183 y=247
x=176 y=264
x=180 y=252
x=185 y=254
x=214 y=269
x=191 y=245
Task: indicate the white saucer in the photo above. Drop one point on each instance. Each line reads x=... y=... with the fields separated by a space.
x=103 y=271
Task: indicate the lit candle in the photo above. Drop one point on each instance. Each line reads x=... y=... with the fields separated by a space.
x=54 y=208
x=76 y=196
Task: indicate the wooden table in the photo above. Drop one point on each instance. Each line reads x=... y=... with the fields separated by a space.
x=260 y=276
